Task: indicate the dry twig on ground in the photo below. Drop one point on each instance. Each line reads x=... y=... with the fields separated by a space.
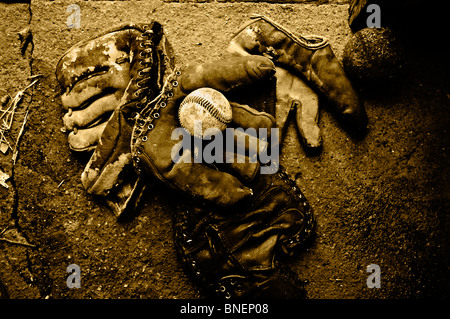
x=6 y=122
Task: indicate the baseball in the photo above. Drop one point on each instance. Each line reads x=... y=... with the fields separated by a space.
x=203 y=110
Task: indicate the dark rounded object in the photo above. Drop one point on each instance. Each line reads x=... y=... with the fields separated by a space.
x=373 y=54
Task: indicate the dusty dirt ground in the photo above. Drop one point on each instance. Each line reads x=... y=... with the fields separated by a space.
x=381 y=199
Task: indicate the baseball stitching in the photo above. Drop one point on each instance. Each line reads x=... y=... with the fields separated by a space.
x=214 y=111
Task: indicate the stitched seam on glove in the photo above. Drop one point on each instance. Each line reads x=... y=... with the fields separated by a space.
x=304 y=41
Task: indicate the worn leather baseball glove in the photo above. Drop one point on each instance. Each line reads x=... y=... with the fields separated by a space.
x=153 y=146
x=302 y=61
x=240 y=253
x=94 y=74
x=97 y=77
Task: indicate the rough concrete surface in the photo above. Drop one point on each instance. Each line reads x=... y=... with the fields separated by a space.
x=381 y=199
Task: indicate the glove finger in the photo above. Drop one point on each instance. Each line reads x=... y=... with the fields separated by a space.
x=98 y=108
x=91 y=66
x=238 y=152
x=183 y=165
x=104 y=50
x=258 y=134
x=228 y=74
x=247 y=117
x=206 y=183
x=247 y=143
x=252 y=152
x=293 y=92
x=86 y=139
x=244 y=167
x=112 y=157
x=307 y=117
x=96 y=86
x=229 y=147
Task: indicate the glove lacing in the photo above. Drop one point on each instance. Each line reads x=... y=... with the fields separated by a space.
x=149 y=113
x=145 y=60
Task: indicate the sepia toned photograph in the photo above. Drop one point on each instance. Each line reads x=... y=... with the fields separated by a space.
x=223 y=154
